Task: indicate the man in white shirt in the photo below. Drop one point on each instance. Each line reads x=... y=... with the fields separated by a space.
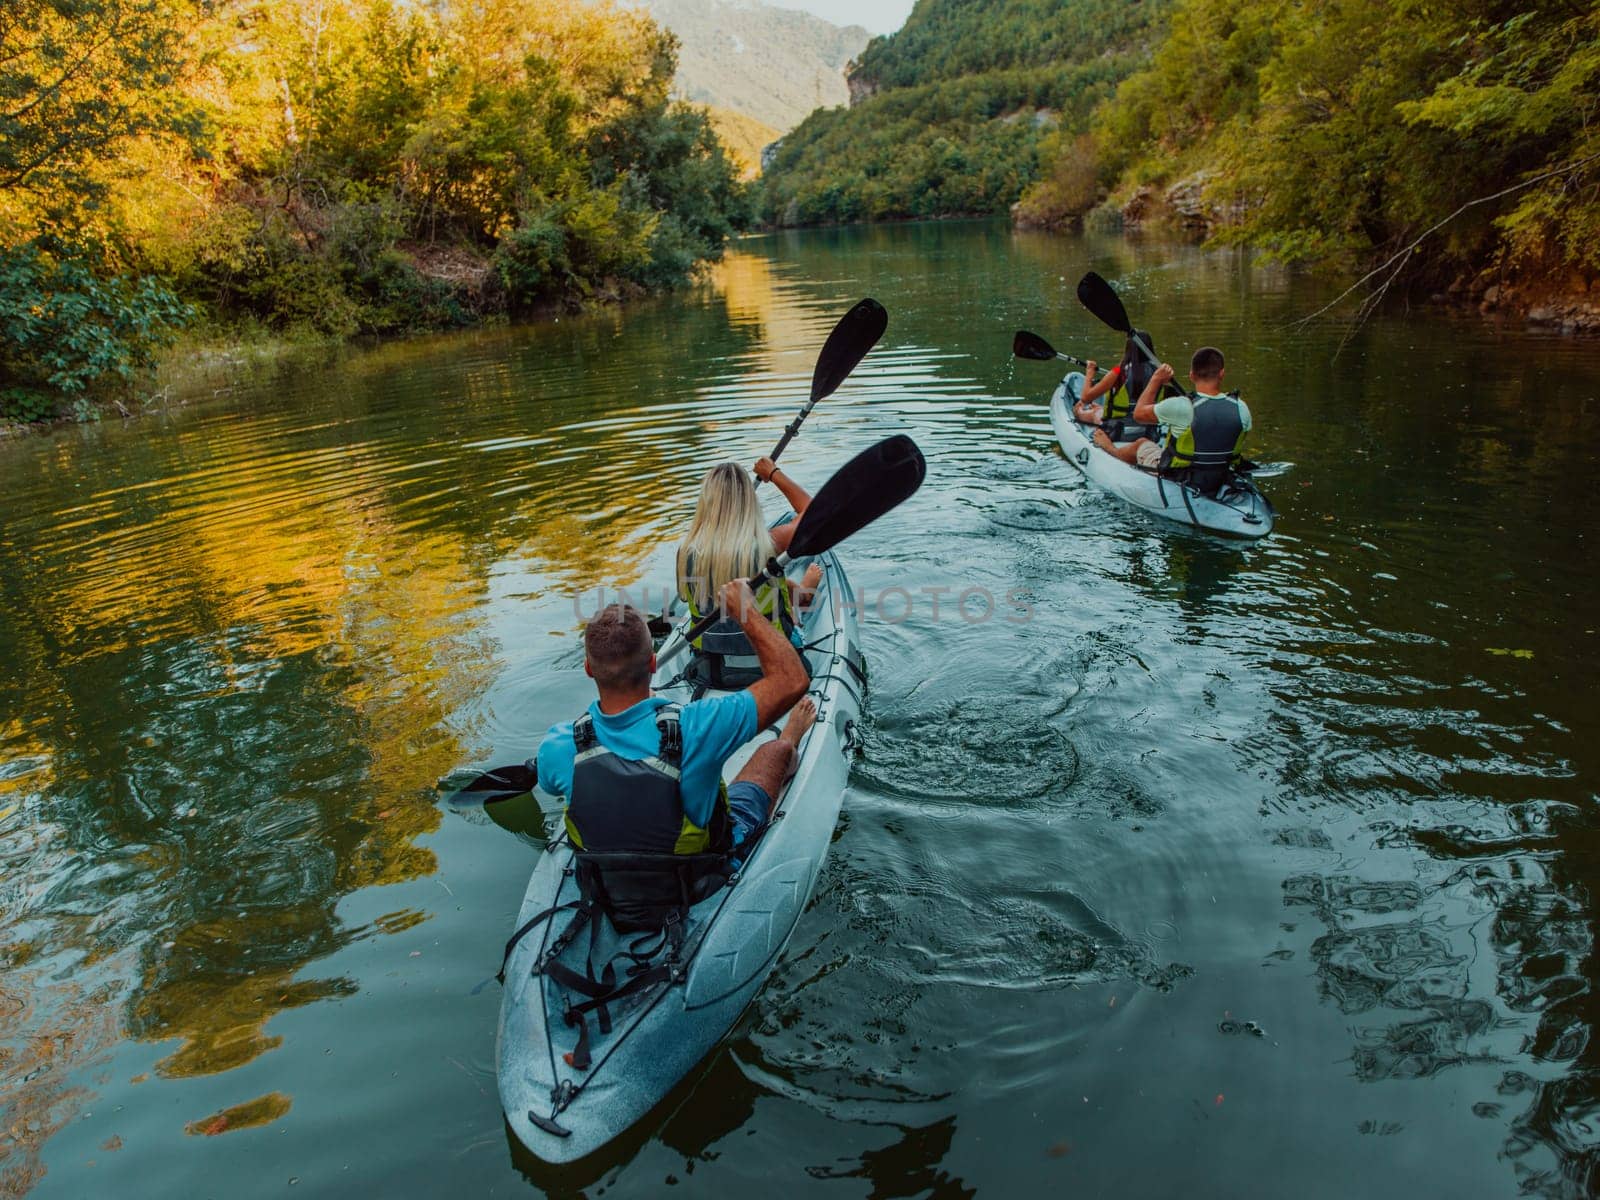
x=1179 y=449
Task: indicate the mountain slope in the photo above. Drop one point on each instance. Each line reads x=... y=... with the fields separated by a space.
x=950 y=113
x=743 y=136
x=773 y=64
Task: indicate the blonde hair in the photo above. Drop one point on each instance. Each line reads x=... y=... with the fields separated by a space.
x=727 y=540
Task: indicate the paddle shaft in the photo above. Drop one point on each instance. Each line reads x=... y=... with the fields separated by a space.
x=793 y=428
x=847 y=344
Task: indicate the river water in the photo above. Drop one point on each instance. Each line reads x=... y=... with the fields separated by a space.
x=1232 y=869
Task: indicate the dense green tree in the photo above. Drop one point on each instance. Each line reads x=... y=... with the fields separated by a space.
x=76 y=78
x=345 y=166
x=948 y=39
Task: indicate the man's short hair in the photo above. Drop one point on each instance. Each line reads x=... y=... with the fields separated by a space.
x=1207 y=363
x=618 y=647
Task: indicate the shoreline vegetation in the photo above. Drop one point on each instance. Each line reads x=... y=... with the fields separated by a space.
x=1449 y=152
x=305 y=170
x=258 y=173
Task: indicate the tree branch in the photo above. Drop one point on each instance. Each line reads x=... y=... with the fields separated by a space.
x=1432 y=229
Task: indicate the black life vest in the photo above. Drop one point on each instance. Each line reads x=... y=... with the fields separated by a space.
x=1203 y=454
x=640 y=863
x=1136 y=370
x=636 y=807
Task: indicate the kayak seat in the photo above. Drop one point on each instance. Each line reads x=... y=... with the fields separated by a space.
x=642 y=893
x=1125 y=429
x=1209 y=484
x=725 y=660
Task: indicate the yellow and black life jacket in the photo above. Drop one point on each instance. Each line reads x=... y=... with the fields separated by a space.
x=621 y=805
x=1204 y=453
x=1136 y=370
x=723 y=655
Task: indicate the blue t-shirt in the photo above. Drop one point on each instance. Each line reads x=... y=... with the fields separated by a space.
x=712 y=730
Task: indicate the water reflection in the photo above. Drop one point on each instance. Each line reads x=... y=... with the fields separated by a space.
x=239 y=656
x=242 y=640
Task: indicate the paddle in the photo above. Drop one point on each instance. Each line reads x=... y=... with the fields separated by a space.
x=856 y=333
x=502 y=783
x=1031 y=345
x=1100 y=298
x=872 y=483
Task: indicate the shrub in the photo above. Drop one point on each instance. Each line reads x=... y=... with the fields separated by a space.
x=67 y=323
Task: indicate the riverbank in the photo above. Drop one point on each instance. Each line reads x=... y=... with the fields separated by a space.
x=214 y=359
x=197 y=364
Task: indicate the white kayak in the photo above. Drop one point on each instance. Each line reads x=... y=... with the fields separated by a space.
x=732 y=938
x=1237 y=510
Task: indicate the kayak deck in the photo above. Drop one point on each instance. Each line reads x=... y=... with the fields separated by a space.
x=1237 y=510
x=732 y=939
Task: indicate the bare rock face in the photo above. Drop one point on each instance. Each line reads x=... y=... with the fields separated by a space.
x=860 y=88
x=1186 y=199
x=1143 y=207
x=773 y=64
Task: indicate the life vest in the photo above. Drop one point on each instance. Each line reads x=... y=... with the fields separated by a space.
x=639 y=863
x=636 y=807
x=723 y=655
x=1203 y=454
x=1136 y=371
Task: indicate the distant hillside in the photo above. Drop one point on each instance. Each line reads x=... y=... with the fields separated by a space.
x=772 y=64
x=946 y=39
x=743 y=136
x=951 y=112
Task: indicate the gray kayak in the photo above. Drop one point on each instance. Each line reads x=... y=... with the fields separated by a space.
x=732 y=939
x=1237 y=510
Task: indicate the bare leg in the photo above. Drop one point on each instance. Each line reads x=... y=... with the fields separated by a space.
x=1087 y=412
x=769 y=766
x=1128 y=452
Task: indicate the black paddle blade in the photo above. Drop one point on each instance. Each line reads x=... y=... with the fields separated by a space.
x=857 y=332
x=519 y=777
x=870 y=484
x=499 y=783
x=1031 y=345
x=1101 y=299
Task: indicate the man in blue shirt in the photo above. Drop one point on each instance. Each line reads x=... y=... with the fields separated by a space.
x=620 y=807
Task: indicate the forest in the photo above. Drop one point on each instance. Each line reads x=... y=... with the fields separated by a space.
x=333 y=169
x=951 y=112
x=1453 y=142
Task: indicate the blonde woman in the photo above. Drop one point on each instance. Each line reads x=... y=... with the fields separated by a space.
x=729 y=539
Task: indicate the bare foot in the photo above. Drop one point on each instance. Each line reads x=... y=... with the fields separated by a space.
x=812 y=577
x=1105 y=443
x=801 y=718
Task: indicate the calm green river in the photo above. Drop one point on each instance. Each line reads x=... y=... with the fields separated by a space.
x=1234 y=870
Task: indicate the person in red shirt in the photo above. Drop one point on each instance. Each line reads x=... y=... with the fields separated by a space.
x=1121 y=385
